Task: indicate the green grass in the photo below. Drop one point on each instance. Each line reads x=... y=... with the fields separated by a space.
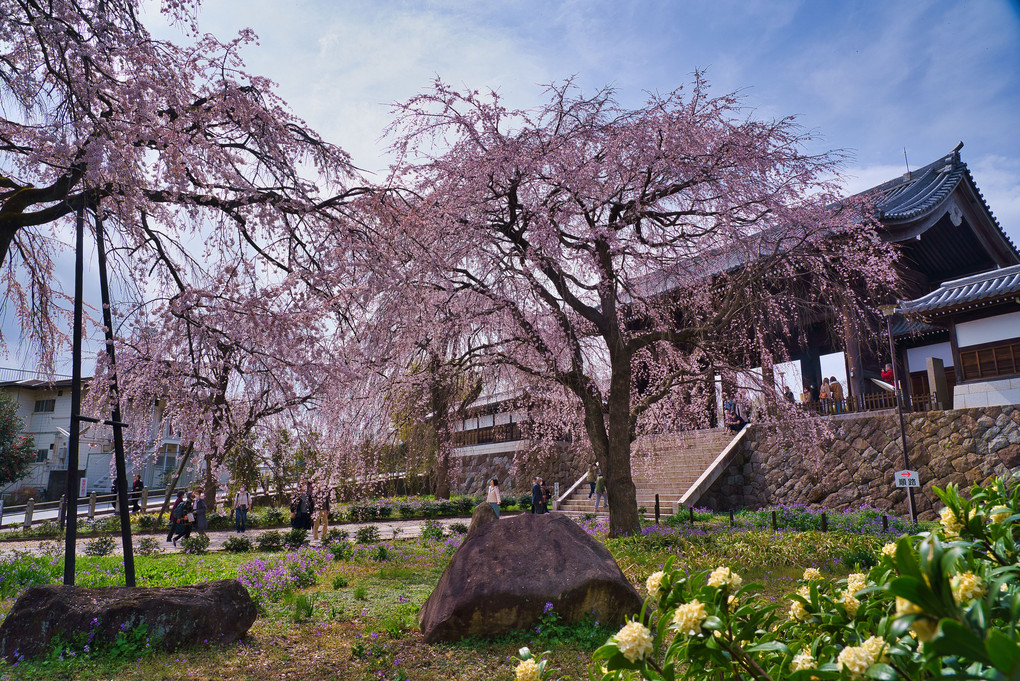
x=369 y=626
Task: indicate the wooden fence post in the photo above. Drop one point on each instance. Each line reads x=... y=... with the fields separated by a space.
x=656 y=509
x=145 y=500
x=92 y=505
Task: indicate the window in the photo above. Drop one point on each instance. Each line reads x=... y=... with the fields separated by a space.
x=991 y=360
x=40 y=455
x=45 y=405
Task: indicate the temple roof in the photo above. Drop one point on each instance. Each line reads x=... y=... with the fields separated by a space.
x=985 y=287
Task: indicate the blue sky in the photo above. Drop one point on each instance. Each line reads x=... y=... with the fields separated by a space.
x=869 y=77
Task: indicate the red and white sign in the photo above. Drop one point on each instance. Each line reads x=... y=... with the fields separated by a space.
x=907 y=479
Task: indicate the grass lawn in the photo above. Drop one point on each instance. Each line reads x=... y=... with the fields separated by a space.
x=363 y=607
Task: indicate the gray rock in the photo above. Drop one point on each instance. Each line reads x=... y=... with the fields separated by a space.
x=505 y=572
x=218 y=612
x=482 y=514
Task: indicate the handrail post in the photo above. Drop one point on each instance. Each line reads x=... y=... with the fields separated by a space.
x=92 y=505
x=145 y=500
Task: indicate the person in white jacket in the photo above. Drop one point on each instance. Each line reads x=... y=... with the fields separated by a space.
x=493 y=496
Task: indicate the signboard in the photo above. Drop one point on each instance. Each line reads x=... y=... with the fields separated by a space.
x=907 y=479
x=83 y=485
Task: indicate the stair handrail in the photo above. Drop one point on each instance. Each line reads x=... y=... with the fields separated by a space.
x=570 y=491
x=712 y=468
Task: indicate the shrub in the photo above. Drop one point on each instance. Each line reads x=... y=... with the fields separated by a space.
x=339 y=582
x=937 y=605
x=385 y=511
x=341 y=550
x=429 y=509
x=148 y=546
x=219 y=521
x=296 y=538
x=335 y=535
x=459 y=528
x=432 y=530
x=240 y=544
x=466 y=504
x=407 y=510
x=360 y=513
x=506 y=503
x=269 y=541
x=47 y=528
x=381 y=553
x=274 y=516
x=195 y=545
x=360 y=592
x=99 y=546
x=524 y=502
x=447 y=508
x=149 y=522
x=369 y=534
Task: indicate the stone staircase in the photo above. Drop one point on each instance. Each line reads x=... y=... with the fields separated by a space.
x=668 y=465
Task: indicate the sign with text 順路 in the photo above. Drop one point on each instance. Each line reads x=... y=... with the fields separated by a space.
x=907 y=479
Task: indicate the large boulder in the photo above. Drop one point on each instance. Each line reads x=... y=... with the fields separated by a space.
x=218 y=612
x=482 y=515
x=506 y=571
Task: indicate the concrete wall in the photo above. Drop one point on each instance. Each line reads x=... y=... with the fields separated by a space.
x=855 y=462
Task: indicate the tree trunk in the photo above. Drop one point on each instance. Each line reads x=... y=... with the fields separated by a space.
x=623 y=513
x=440 y=398
x=210 y=486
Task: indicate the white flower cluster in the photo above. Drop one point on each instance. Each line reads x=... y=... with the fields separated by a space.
x=858 y=659
x=723 y=577
x=688 y=617
x=967 y=587
x=527 y=670
x=634 y=640
x=654 y=583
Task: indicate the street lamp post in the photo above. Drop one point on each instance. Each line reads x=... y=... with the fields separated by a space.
x=888 y=311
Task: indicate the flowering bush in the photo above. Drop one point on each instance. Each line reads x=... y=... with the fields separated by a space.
x=269 y=580
x=941 y=603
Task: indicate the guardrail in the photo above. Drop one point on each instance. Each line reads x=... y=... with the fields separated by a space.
x=90 y=506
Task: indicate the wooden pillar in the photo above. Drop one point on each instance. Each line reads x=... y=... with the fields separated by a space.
x=854 y=363
x=938 y=384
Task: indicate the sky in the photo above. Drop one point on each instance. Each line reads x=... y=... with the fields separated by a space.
x=878 y=79
x=875 y=78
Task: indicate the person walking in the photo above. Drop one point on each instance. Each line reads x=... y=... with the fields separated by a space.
x=320 y=522
x=591 y=477
x=600 y=492
x=836 y=389
x=136 y=494
x=183 y=518
x=536 y=494
x=173 y=509
x=493 y=497
x=242 y=502
x=201 y=522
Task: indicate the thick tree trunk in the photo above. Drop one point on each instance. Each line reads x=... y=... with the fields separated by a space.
x=440 y=398
x=623 y=513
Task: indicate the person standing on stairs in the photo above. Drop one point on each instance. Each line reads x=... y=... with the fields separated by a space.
x=591 y=477
x=600 y=492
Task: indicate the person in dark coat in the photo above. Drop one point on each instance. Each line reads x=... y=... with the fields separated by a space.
x=201 y=522
x=136 y=494
x=536 y=495
x=301 y=510
x=183 y=517
x=178 y=502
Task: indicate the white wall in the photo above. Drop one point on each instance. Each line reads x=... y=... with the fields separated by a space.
x=789 y=374
x=917 y=358
x=988 y=330
x=834 y=365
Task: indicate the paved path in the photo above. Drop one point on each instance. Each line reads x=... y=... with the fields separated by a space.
x=388 y=529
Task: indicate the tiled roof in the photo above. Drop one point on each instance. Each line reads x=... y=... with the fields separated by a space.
x=909 y=197
x=966 y=291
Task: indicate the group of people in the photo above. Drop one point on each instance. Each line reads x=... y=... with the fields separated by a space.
x=187 y=513
x=829 y=395
x=540 y=495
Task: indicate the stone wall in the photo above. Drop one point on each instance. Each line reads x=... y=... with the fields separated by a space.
x=854 y=463
x=514 y=470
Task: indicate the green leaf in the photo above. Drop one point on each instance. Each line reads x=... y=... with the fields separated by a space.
x=883 y=672
x=768 y=647
x=956 y=639
x=1003 y=652
x=712 y=623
